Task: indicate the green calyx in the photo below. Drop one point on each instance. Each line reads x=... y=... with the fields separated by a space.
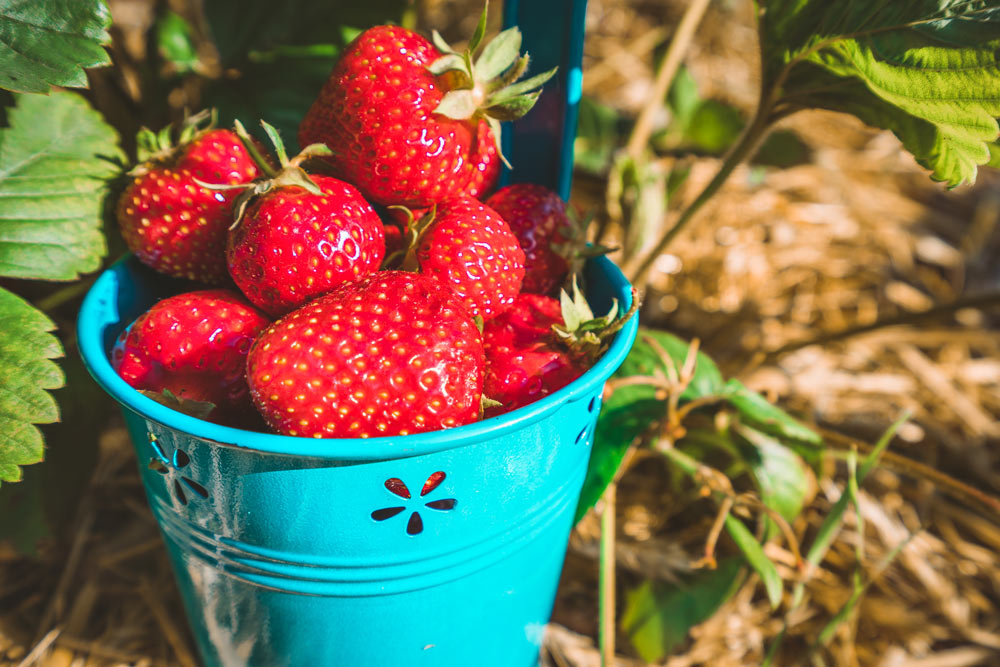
x=405 y=258
x=586 y=336
x=575 y=248
x=486 y=86
x=188 y=406
x=288 y=174
x=156 y=148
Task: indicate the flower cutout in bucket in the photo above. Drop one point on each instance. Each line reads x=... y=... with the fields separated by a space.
x=415 y=525
x=171 y=467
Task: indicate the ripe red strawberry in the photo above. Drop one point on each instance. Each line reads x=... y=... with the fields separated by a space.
x=393 y=354
x=537 y=216
x=167 y=219
x=540 y=345
x=409 y=122
x=470 y=248
x=554 y=241
x=299 y=236
x=523 y=360
x=485 y=164
x=194 y=346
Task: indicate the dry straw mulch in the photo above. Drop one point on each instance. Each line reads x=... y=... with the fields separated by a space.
x=779 y=279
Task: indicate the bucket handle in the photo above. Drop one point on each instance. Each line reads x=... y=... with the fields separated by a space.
x=540 y=145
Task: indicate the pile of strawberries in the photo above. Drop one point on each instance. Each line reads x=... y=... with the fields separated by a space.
x=378 y=293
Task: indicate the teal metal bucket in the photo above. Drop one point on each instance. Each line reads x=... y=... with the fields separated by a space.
x=435 y=549
x=441 y=548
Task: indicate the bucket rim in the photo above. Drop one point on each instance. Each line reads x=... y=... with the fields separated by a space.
x=99 y=311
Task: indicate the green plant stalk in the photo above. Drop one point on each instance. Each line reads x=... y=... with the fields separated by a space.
x=830 y=527
x=671 y=62
x=749 y=140
x=606 y=600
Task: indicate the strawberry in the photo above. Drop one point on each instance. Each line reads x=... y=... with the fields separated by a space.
x=537 y=216
x=554 y=242
x=411 y=122
x=393 y=354
x=193 y=347
x=299 y=236
x=170 y=221
x=540 y=345
x=470 y=248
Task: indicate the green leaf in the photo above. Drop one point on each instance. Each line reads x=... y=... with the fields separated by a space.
x=457 y=104
x=26 y=350
x=758 y=560
x=175 y=40
x=187 y=406
x=55 y=160
x=782 y=476
x=499 y=54
x=928 y=70
x=597 y=136
x=477 y=36
x=47 y=43
x=241 y=26
x=44 y=502
x=276 y=86
x=625 y=416
x=450 y=61
x=756 y=410
x=782 y=149
x=683 y=98
x=658 y=615
x=644 y=359
x=630 y=410
x=514 y=108
x=994 y=149
x=714 y=126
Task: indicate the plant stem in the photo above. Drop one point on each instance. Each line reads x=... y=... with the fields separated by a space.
x=51 y=302
x=664 y=76
x=607 y=577
x=752 y=135
x=981 y=301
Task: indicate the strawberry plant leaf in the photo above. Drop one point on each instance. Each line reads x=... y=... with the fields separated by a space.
x=928 y=70
x=625 y=416
x=275 y=86
x=47 y=43
x=644 y=359
x=758 y=560
x=240 y=27
x=27 y=369
x=658 y=615
x=597 y=136
x=175 y=40
x=783 y=478
x=44 y=502
x=55 y=159
x=630 y=411
x=757 y=410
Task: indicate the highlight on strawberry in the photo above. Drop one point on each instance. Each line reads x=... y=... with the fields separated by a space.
x=542 y=344
x=394 y=354
x=296 y=236
x=466 y=245
x=189 y=352
x=411 y=122
x=166 y=215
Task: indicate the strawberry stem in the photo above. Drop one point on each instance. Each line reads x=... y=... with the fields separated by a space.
x=262 y=163
x=279 y=145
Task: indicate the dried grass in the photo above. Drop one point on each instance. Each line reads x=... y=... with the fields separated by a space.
x=781 y=258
